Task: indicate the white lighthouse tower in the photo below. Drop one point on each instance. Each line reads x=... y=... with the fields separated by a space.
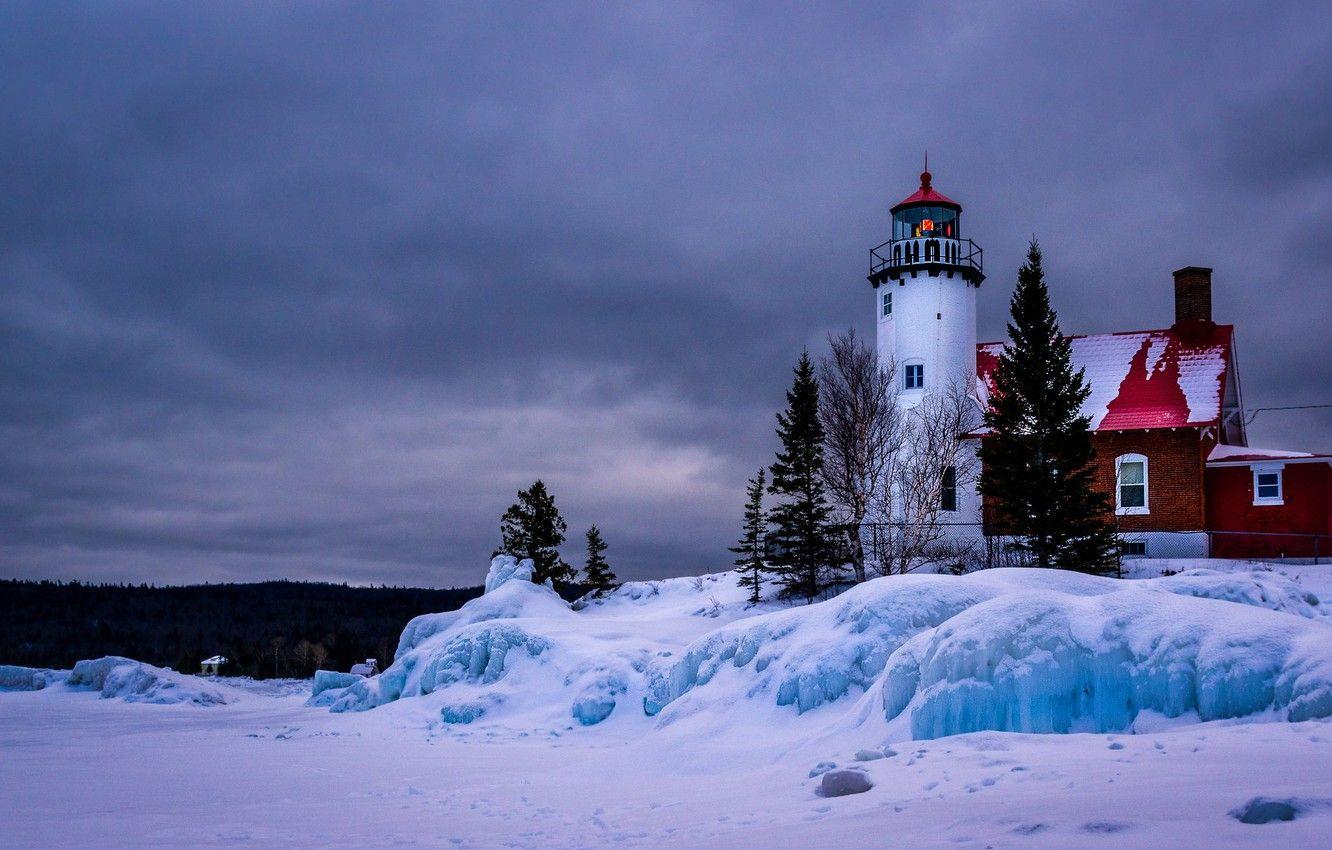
x=925 y=280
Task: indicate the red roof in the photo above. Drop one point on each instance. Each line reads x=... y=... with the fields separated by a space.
x=1145 y=379
x=926 y=194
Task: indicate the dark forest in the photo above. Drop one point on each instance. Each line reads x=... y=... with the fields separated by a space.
x=268 y=629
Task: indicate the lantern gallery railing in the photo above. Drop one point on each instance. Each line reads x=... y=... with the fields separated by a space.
x=924 y=251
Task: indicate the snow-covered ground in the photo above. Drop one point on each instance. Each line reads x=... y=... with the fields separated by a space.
x=670 y=713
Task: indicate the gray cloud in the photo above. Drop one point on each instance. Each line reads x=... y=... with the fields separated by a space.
x=310 y=291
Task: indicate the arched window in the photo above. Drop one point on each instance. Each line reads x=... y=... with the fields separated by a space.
x=1131 y=484
x=948 y=489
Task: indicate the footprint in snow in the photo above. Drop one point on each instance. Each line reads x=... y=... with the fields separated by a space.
x=1104 y=827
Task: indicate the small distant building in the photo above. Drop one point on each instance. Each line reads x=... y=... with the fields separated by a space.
x=369 y=668
x=212 y=665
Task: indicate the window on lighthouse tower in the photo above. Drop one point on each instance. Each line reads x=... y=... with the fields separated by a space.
x=887 y=302
x=914 y=374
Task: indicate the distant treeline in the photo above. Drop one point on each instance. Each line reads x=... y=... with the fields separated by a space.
x=268 y=629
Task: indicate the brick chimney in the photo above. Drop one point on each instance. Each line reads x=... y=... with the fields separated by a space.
x=1193 y=295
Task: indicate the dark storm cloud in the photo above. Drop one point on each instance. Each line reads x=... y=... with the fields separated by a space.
x=311 y=290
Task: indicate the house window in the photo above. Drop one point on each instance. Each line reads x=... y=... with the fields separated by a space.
x=915 y=376
x=948 y=490
x=887 y=302
x=1131 y=484
x=1267 y=486
x=1133 y=548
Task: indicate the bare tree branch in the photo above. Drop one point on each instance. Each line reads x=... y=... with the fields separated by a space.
x=862 y=425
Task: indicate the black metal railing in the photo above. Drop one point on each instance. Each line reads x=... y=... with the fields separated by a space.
x=925 y=251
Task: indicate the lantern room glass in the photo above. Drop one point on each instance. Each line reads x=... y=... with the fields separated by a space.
x=915 y=222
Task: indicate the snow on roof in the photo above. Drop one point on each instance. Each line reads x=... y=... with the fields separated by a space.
x=217 y=659
x=1144 y=379
x=1249 y=453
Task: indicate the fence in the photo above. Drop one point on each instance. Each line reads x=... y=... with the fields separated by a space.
x=965 y=546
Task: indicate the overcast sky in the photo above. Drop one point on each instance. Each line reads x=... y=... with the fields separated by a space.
x=310 y=290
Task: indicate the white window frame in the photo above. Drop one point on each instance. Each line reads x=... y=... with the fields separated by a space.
x=906 y=367
x=1134 y=510
x=886 y=304
x=1277 y=469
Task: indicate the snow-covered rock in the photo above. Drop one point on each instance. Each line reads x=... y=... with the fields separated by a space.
x=839 y=783
x=134 y=681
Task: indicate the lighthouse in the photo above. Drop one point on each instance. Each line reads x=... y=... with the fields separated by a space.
x=925 y=280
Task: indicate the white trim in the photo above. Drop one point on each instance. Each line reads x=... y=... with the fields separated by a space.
x=885 y=300
x=1133 y=510
x=1269 y=469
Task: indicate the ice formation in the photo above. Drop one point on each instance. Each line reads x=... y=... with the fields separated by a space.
x=15 y=678
x=519 y=646
x=134 y=681
x=507 y=568
x=1008 y=650
x=1046 y=661
x=807 y=657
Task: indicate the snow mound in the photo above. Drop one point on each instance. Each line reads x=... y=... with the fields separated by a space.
x=15 y=678
x=497 y=650
x=1046 y=661
x=504 y=599
x=807 y=657
x=134 y=681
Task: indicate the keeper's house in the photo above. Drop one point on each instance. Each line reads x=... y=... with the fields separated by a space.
x=1165 y=404
x=1170 y=444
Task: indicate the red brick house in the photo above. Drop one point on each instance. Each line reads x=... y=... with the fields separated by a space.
x=1168 y=420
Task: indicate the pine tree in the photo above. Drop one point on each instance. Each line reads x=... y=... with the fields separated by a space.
x=803 y=552
x=597 y=572
x=1037 y=457
x=750 y=547
x=533 y=528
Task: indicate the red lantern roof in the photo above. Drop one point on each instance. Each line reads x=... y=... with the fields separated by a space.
x=926 y=195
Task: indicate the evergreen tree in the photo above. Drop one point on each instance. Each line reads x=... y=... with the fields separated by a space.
x=597 y=572
x=1037 y=457
x=533 y=528
x=750 y=547
x=803 y=553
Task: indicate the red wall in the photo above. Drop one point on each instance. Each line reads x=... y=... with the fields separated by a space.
x=1307 y=493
